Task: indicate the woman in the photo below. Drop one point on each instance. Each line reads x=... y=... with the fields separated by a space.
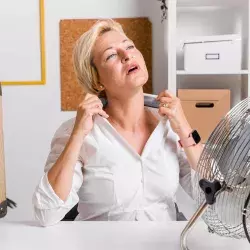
x=121 y=161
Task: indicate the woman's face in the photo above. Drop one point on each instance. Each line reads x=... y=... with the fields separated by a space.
x=121 y=67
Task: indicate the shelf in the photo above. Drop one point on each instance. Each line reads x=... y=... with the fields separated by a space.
x=211 y=3
x=183 y=72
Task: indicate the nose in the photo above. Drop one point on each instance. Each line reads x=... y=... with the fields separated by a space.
x=126 y=56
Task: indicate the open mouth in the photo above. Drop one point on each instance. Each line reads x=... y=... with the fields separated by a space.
x=133 y=69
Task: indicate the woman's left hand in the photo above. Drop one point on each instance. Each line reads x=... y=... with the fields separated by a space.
x=170 y=106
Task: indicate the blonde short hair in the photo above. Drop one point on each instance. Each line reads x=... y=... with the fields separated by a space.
x=86 y=72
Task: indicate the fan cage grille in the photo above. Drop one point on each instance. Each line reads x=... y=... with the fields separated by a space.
x=226 y=158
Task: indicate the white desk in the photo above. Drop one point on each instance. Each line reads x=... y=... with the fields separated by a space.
x=110 y=236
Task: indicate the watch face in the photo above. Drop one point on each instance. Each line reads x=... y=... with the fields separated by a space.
x=196 y=136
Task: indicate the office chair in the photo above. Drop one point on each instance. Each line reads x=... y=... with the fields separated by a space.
x=71 y=215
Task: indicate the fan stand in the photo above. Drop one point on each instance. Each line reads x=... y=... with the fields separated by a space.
x=191 y=224
x=211 y=190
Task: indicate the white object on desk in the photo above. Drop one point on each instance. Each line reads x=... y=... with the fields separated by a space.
x=111 y=236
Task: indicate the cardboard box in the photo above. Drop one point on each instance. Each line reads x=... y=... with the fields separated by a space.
x=213 y=54
x=204 y=108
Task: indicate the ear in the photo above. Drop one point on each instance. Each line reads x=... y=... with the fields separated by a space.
x=100 y=87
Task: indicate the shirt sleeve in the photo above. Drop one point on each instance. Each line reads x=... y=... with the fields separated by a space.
x=48 y=207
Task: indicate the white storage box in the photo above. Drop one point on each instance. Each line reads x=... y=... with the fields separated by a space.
x=213 y=54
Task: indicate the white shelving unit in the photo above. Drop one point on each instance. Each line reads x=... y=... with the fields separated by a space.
x=183 y=72
x=200 y=8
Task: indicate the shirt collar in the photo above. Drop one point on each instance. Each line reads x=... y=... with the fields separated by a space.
x=153 y=144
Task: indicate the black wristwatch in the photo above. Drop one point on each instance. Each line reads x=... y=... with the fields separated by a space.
x=193 y=139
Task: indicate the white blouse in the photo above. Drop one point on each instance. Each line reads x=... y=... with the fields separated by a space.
x=112 y=181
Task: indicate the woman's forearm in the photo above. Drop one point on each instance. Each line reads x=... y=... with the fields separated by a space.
x=193 y=154
x=60 y=176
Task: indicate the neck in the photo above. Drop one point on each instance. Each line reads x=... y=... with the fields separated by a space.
x=127 y=112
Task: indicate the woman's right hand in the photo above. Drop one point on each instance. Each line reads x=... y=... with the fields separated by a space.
x=89 y=107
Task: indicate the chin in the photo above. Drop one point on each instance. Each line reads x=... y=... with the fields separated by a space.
x=136 y=83
x=136 y=80
x=141 y=81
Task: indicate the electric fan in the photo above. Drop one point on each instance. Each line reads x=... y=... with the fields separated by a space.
x=221 y=185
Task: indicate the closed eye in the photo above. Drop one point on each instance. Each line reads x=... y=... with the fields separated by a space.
x=131 y=47
x=110 y=56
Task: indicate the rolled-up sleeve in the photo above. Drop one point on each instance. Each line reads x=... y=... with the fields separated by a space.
x=48 y=207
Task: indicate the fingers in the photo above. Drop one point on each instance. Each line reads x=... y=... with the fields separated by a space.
x=95 y=111
x=91 y=104
x=169 y=111
x=96 y=107
x=168 y=106
x=91 y=100
x=103 y=113
x=165 y=100
x=165 y=93
x=88 y=96
x=93 y=108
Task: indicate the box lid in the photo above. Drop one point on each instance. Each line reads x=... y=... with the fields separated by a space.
x=203 y=94
x=209 y=39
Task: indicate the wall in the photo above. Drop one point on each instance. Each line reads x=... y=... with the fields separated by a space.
x=32 y=113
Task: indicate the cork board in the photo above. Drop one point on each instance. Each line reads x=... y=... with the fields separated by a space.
x=137 y=29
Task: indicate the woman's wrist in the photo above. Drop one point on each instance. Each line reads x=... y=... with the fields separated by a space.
x=79 y=132
x=184 y=132
x=77 y=136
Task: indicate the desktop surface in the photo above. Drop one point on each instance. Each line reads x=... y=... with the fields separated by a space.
x=111 y=236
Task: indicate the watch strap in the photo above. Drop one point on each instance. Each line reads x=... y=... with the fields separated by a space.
x=187 y=142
